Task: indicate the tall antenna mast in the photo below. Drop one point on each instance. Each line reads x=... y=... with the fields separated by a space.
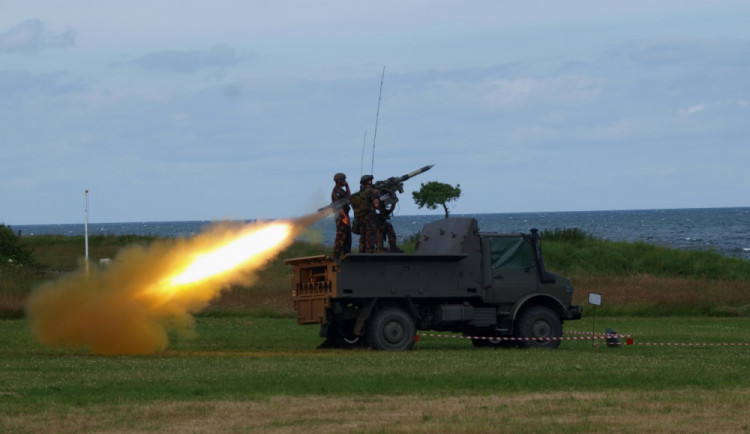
x=362 y=160
x=377 y=115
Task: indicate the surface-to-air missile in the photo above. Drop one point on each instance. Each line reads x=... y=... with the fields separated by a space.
x=387 y=189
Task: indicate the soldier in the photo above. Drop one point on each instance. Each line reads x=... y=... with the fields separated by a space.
x=343 y=242
x=365 y=205
x=385 y=229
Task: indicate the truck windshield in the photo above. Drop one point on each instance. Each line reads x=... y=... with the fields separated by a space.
x=511 y=253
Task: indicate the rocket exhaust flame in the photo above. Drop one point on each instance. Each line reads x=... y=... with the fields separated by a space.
x=233 y=254
x=146 y=291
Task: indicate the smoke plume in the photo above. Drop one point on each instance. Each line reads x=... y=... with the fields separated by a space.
x=131 y=305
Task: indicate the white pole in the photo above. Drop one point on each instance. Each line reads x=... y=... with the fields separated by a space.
x=86 y=222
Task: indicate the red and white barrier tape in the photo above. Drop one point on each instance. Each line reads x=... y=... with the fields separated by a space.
x=590 y=336
x=671 y=344
x=577 y=332
x=695 y=344
x=548 y=338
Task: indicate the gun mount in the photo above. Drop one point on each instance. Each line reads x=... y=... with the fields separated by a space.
x=388 y=189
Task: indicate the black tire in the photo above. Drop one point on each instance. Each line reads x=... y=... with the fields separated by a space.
x=391 y=329
x=539 y=322
x=341 y=335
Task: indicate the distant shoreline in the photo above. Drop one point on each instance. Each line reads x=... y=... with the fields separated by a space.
x=440 y=214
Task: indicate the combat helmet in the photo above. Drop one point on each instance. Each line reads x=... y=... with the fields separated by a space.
x=363 y=180
x=339 y=177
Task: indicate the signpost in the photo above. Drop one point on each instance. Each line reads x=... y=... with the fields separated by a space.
x=594 y=300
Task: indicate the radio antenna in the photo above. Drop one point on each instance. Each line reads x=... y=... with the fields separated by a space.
x=377 y=115
x=362 y=160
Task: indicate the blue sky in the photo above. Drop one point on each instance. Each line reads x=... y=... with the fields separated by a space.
x=176 y=110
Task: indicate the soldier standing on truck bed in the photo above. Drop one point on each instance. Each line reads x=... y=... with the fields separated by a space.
x=364 y=203
x=385 y=229
x=343 y=242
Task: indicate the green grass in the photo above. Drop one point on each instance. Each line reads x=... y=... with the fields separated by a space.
x=249 y=366
x=64 y=253
x=574 y=253
x=273 y=363
x=255 y=358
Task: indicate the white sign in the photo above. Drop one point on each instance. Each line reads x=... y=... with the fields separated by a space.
x=595 y=299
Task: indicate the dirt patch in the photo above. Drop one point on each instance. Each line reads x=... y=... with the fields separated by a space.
x=621 y=411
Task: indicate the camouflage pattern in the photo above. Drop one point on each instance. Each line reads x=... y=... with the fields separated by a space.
x=342 y=244
x=385 y=231
x=368 y=230
x=368 y=234
x=361 y=201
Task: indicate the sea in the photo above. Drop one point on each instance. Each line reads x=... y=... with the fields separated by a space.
x=724 y=230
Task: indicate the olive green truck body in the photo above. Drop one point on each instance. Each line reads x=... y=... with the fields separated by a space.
x=488 y=285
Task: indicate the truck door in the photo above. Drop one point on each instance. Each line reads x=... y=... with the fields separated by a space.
x=510 y=267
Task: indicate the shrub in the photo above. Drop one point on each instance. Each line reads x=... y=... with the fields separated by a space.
x=11 y=249
x=566 y=234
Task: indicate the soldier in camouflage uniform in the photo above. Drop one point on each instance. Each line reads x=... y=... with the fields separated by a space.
x=367 y=203
x=343 y=242
x=385 y=229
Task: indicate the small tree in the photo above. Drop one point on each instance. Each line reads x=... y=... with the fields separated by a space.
x=11 y=249
x=436 y=193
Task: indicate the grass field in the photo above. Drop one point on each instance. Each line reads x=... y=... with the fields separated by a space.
x=244 y=373
x=250 y=367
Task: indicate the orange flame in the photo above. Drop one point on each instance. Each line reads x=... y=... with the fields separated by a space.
x=233 y=254
x=127 y=307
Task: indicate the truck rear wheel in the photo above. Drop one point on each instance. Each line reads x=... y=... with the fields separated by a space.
x=391 y=329
x=539 y=322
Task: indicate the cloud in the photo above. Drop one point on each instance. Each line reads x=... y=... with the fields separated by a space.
x=565 y=89
x=32 y=36
x=682 y=51
x=188 y=61
x=52 y=83
x=724 y=115
x=687 y=112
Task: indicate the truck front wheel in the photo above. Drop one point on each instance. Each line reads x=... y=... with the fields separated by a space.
x=539 y=322
x=391 y=329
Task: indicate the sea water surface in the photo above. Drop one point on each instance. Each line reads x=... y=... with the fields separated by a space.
x=724 y=230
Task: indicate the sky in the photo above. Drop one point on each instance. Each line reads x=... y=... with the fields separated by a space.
x=192 y=110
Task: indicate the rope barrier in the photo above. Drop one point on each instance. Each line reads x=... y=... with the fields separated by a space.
x=590 y=336
x=601 y=336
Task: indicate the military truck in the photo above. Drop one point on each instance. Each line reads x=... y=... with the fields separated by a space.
x=489 y=286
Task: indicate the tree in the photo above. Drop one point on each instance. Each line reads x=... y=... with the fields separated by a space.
x=436 y=193
x=11 y=249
